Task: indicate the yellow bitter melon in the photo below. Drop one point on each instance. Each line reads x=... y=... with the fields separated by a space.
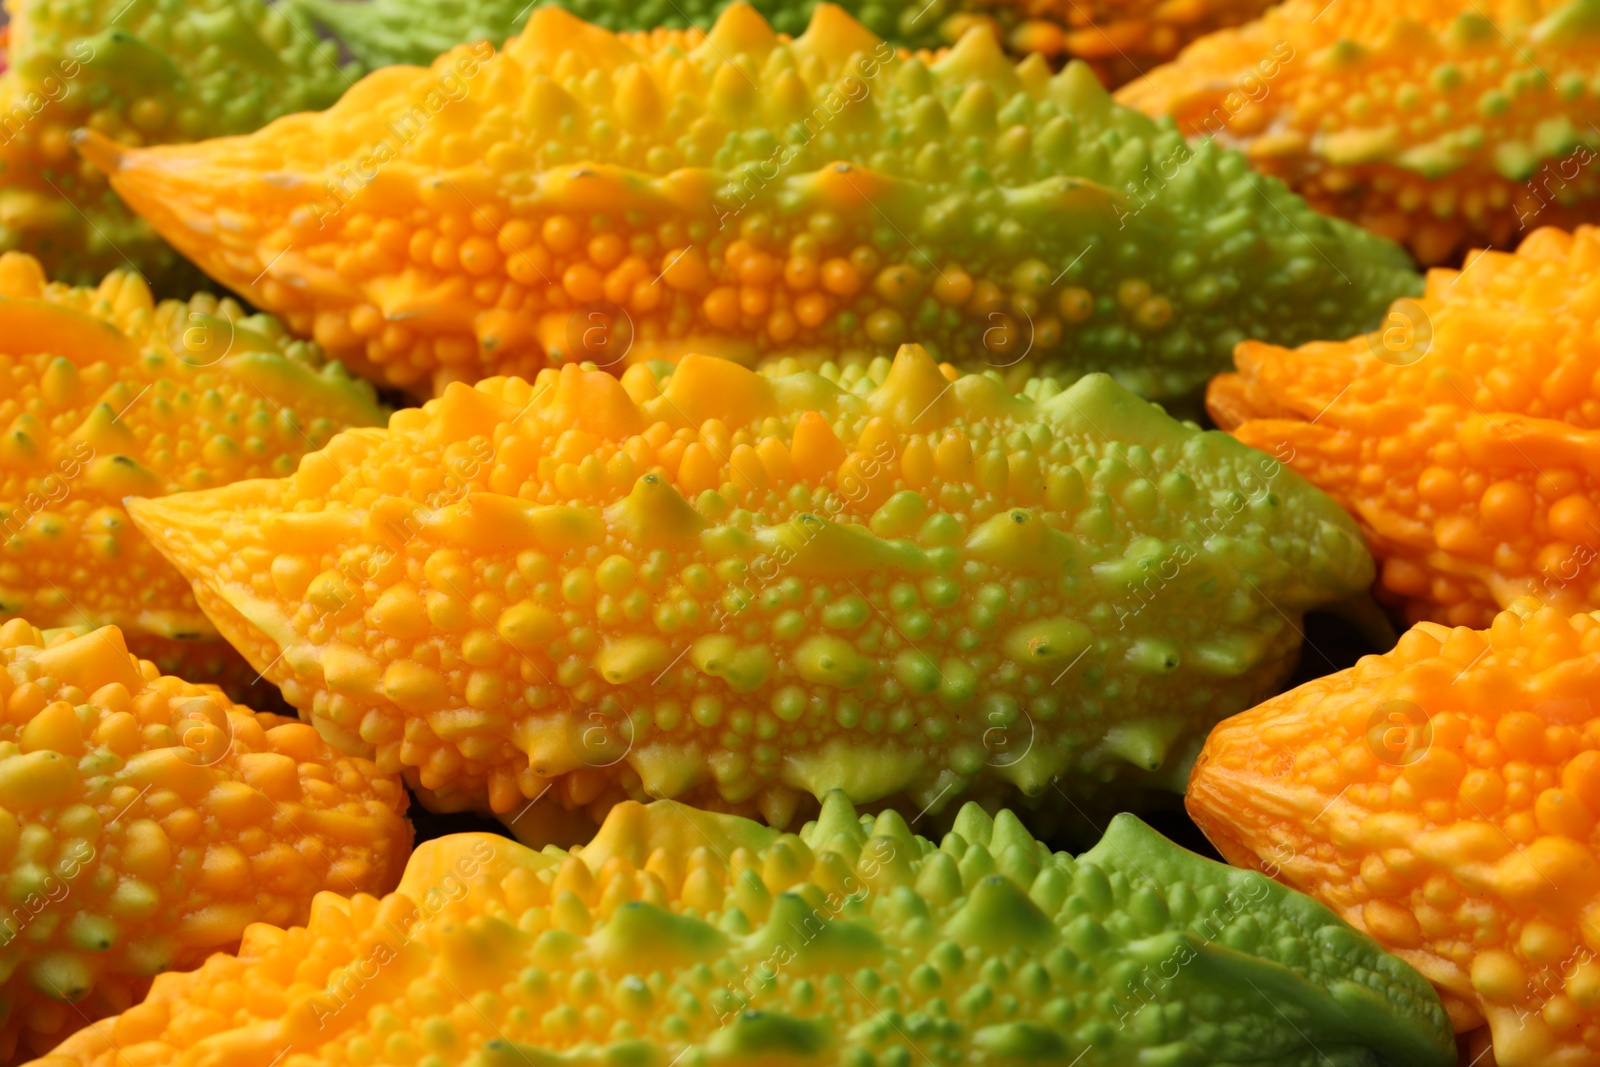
x=681 y=937
x=146 y=821
x=584 y=196
x=109 y=394
x=744 y=592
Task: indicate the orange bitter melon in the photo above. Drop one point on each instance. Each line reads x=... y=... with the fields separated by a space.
x=145 y=822
x=1463 y=435
x=745 y=591
x=1443 y=125
x=109 y=394
x=679 y=936
x=584 y=196
x=1443 y=798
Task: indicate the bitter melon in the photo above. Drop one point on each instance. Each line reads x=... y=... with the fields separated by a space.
x=138 y=73
x=678 y=936
x=1442 y=798
x=145 y=822
x=108 y=394
x=1443 y=125
x=1463 y=435
x=744 y=592
x=587 y=197
x=1119 y=38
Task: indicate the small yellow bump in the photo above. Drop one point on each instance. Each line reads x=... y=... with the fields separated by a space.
x=1498 y=976
x=414 y=687
x=628 y=659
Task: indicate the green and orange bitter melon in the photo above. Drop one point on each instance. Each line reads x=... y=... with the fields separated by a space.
x=1442 y=798
x=743 y=591
x=582 y=196
x=1444 y=125
x=1121 y=39
x=678 y=936
x=145 y=822
x=109 y=394
x=139 y=73
x=1463 y=435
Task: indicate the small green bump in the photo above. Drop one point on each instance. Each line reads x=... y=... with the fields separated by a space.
x=976 y=864
x=1556 y=136
x=1341 y=53
x=1154 y=655
x=916 y=672
x=828 y=660
x=846 y=613
x=1493 y=104
x=61 y=976
x=92 y=933
x=939 y=880
x=940 y=529
x=958 y=681
x=1009 y=832
x=973 y=825
x=766 y=1033
x=1024 y=1041
x=1569 y=23
x=1093 y=886
x=1515 y=161
x=816 y=935
x=638 y=923
x=789 y=703
x=899 y=515
x=1445 y=78
x=1145 y=743
x=998 y=915
x=1050 y=888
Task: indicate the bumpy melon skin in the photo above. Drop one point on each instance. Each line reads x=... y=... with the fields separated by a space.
x=108 y=394
x=1442 y=797
x=142 y=73
x=1119 y=38
x=584 y=196
x=1444 y=126
x=146 y=821
x=1462 y=435
x=744 y=592
x=678 y=936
